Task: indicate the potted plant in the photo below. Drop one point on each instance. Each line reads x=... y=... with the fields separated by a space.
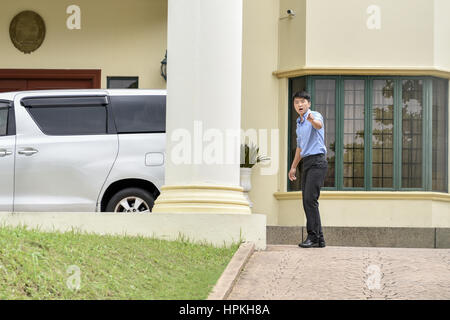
x=249 y=157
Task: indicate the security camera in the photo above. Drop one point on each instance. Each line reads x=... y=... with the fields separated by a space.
x=291 y=12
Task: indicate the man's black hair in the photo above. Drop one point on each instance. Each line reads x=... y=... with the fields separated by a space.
x=302 y=94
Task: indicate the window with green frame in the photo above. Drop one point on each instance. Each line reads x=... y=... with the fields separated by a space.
x=381 y=132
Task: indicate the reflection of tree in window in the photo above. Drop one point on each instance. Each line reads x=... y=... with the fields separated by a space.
x=439 y=136
x=354 y=133
x=325 y=103
x=412 y=133
x=382 y=134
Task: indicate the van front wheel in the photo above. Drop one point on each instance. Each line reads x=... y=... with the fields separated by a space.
x=131 y=200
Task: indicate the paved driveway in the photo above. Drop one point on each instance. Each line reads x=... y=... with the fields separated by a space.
x=289 y=272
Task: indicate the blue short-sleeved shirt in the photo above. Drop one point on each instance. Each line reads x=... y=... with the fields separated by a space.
x=310 y=140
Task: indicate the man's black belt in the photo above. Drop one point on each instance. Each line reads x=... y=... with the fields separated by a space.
x=319 y=155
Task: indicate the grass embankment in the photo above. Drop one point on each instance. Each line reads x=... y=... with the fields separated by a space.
x=73 y=265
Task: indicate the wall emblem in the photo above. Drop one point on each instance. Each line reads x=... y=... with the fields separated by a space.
x=27 y=31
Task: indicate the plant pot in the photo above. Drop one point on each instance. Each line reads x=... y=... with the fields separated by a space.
x=246 y=183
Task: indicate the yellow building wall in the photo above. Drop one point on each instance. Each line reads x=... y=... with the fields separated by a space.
x=442 y=34
x=260 y=108
x=292 y=35
x=352 y=211
x=122 y=38
x=337 y=33
x=283 y=90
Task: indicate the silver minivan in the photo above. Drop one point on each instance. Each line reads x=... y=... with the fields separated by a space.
x=82 y=150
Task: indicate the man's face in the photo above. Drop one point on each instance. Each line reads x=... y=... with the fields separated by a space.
x=301 y=105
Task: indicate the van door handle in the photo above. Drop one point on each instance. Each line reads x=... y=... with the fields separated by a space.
x=4 y=153
x=28 y=151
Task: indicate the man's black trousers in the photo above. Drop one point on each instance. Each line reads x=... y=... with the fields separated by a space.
x=313 y=176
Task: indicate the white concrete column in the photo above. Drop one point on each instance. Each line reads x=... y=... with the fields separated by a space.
x=203 y=108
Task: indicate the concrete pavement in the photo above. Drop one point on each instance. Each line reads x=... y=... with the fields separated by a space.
x=289 y=272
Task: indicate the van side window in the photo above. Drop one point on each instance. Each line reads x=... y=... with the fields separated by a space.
x=70 y=120
x=139 y=114
x=7 y=119
x=3 y=121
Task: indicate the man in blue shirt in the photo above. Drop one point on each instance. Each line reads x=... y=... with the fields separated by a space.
x=311 y=150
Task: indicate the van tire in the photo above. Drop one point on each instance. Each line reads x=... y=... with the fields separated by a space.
x=125 y=200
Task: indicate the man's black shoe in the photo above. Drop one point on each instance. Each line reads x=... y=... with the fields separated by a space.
x=321 y=243
x=308 y=243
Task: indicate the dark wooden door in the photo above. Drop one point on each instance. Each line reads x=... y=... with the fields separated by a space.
x=12 y=85
x=33 y=79
x=42 y=84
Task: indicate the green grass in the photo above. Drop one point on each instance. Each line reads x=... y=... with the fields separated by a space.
x=35 y=265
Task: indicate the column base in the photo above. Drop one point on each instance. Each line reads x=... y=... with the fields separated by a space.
x=201 y=199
